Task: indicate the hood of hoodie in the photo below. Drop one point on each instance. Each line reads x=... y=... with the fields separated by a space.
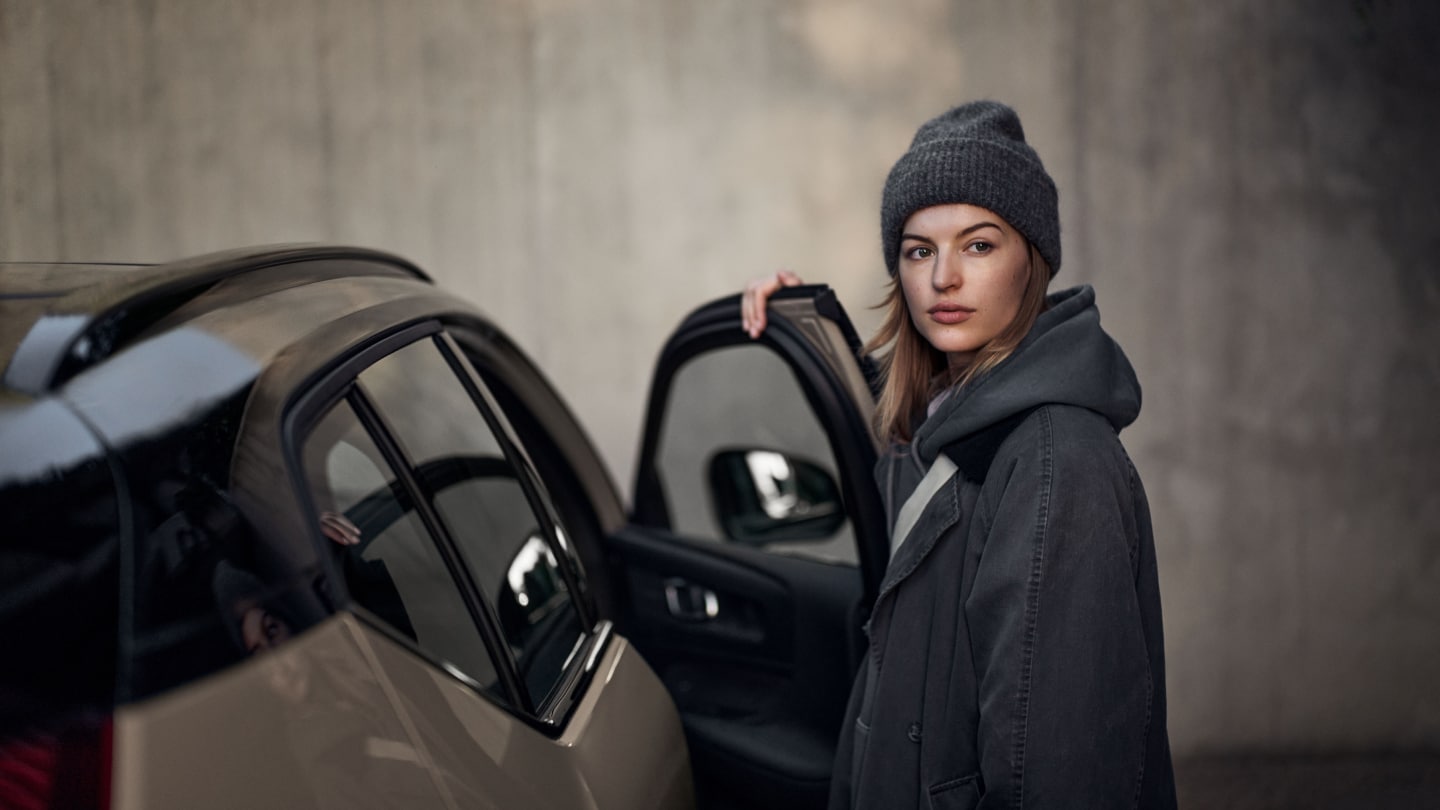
x=1066 y=359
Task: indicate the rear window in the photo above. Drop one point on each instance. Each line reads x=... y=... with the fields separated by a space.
x=209 y=589
x=59 y=571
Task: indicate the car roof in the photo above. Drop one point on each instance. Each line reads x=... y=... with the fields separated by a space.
x=57 y=319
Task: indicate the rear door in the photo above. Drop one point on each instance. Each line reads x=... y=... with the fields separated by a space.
x=756 y=543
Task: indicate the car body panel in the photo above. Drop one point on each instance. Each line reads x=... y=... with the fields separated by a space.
x=346 y=717
x=82 y=325
x=343 y=714
x=172 y=402
x=308 y=725
x=483 y=754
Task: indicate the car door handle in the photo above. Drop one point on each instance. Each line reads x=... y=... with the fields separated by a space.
x=690 y=603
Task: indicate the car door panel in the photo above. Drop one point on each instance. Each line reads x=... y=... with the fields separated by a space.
x=743 y=679
x=618 y=749
x=747 y=609
x=758 y=644
x=761 y=684
x=315 y=721
x=515 y=694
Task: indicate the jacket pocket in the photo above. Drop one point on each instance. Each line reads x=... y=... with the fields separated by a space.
x=857 y=765
x=956 y=794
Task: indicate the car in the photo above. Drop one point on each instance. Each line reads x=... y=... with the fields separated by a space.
x=291 y=526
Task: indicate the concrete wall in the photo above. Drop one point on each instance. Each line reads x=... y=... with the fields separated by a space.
x=1251 y=187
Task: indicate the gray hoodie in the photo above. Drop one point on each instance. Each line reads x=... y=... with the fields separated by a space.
x=1066 y=359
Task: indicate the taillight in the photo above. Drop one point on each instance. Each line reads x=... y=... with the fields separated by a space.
x=68 y=769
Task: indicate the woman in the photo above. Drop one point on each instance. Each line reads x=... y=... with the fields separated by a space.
x=1016 y=657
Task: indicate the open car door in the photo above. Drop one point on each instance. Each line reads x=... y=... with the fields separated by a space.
x=756 y=543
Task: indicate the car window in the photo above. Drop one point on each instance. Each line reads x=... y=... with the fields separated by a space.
x=475 y=489
x=533 y=418
x=739 y=414
x=208 y=588
x=391 y=564
x=59 y=567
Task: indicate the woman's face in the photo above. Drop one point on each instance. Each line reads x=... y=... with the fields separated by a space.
x=262 y=630
x=963 y=270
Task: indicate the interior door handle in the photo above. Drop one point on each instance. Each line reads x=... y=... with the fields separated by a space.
x=690 y=603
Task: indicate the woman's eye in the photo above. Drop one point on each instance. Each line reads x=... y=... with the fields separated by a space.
x=918 y=252
x=982 y=247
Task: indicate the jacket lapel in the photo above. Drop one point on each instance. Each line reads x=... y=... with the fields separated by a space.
x=942 y=512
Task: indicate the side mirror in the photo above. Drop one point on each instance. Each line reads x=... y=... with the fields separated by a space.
x=764 y=496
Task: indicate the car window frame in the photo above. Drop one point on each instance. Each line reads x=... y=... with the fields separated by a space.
x=541 y=501
x=562 y=452
x=340 y=382
x=649 y=506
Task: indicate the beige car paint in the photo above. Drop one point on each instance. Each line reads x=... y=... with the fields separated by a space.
x=343 y=716
x=622 y=748
x=305 y=725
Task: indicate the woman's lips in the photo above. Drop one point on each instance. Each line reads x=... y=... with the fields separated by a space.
x=950 y=313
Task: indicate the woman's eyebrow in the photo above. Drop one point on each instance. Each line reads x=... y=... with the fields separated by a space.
x=977 y=226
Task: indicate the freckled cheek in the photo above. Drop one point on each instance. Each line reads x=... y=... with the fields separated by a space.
x=915 y=305
x=914 y=287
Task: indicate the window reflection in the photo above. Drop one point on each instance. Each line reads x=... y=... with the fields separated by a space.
x=774 y=481
x=476 y=491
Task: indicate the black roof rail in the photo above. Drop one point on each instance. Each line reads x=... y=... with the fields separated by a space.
x=87 y=325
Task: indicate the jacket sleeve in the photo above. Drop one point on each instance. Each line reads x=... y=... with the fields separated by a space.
x=1064 y=685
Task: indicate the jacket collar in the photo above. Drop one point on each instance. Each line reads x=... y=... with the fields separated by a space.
x=942 y=512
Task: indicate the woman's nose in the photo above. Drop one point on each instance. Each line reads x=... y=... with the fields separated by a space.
x=946 y=273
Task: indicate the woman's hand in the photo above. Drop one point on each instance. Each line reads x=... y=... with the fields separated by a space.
x=337 y=527
x=757 y=292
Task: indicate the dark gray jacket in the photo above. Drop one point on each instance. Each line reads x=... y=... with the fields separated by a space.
x=1016 y=657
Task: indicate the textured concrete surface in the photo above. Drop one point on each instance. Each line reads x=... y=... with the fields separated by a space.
x=1251 y=187
x=1390 y=781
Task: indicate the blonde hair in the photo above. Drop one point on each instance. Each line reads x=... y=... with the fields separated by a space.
x=913 y=371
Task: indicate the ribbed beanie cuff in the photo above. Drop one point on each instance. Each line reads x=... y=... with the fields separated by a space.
x=975 y=154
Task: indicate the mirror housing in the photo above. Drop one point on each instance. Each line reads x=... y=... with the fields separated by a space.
x=764 y=496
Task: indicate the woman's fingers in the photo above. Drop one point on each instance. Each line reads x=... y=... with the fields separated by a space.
x=752 y=305
x=338 y=528
x=757 y=292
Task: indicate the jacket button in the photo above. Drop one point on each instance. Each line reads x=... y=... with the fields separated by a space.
x=913 y=732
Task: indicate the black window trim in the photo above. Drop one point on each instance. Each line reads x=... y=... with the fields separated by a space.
x=564 y=458
x=480 y=610
x=337 y=385
x=548 y=714
x=519 y=457
x=554 y=708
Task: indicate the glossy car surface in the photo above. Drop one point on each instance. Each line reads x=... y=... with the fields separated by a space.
x=294 y=527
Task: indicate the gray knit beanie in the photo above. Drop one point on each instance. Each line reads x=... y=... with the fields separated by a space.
x=976 y=154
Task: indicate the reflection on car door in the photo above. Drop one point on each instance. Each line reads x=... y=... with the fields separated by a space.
x=756 y=543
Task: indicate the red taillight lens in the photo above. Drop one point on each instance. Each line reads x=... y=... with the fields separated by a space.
x=67 y=769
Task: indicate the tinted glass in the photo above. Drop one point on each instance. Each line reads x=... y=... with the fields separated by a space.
x=59 y=568
x=476 y=491
x=209 y=589
x=565 y=497
x=743 y=398
x=391 y=564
